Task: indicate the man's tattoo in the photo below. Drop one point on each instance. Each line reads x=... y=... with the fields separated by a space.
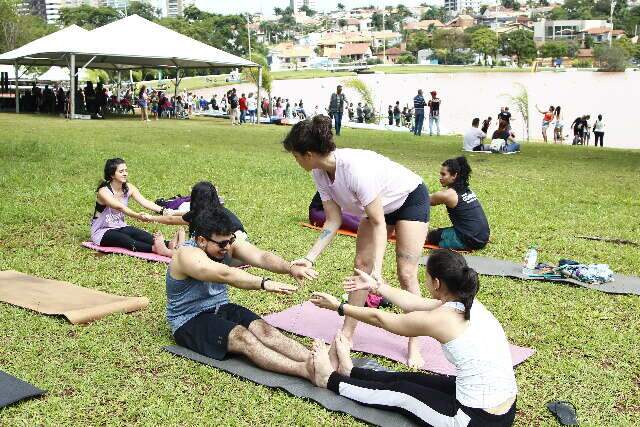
x=407 y=256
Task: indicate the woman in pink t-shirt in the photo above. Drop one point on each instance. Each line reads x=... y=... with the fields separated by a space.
x=388 y=197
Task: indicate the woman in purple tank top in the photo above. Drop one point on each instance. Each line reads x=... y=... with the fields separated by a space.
x=108 y=226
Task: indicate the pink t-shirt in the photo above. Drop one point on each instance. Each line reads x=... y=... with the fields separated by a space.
x=363 y=175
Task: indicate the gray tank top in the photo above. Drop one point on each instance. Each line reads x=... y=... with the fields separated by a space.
x=189 y=297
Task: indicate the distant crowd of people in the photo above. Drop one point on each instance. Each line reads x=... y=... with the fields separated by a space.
x=581 y=127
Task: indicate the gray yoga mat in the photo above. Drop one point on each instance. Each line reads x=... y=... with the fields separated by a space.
x=301 y=388
x=496 y=267
x=13 y=390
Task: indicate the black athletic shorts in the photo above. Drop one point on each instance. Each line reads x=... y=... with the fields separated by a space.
x=208 y=332
x=415 y=208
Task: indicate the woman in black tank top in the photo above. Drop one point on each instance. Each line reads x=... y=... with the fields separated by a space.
x=470 y=228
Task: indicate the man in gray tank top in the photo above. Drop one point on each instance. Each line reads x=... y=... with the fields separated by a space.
x=198 y=308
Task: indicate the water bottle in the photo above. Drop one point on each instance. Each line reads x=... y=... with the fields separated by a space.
x=530 y=260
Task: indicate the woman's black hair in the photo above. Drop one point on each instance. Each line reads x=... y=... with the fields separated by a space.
x=203 y=196
x=212 y=221
x=110 y=168
x=460 y=167
x=311 y=135
x=451 y=268
x=557 y=112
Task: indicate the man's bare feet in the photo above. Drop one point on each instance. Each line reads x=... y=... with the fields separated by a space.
x=343 y=350
x=321 y=364
x=333 y=354
x=159 y=246
x=310 y=368
x=415 y=360
x=178 y=239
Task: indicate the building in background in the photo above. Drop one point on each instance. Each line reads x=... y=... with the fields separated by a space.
x=462 y=6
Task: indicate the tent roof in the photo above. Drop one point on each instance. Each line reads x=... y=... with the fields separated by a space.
x=58 y=74
x=131 y=42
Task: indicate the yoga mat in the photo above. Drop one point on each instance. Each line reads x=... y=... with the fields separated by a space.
x=490 y=152
x=77 y=304
x=310 y=321
x=122 y=251
x=352 y=234
x=13 y=390
x=300 y=387
x=496 y=267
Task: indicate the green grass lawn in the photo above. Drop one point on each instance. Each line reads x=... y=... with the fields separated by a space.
x=114 y=372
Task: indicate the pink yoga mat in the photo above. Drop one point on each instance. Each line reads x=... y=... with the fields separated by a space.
x=310 y=321
x=143 y=255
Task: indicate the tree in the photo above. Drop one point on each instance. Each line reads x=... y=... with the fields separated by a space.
x=558 y=13
x=342 y=23
x=418 y=40
x=376 y=21
x=521 y=102
x=252 y=74
x=16 y=29
x=614 y=58
x=406 y=58
x=485 y=42
x=340 y=7
x=554 y=49
x=483 y=9
x=145 y=10
x=88 y=17
x=307 y=10
x=510 y=4
x=434 y=12
x=518 y=43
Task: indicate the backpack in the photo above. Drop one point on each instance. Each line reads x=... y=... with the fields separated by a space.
x=233 y=102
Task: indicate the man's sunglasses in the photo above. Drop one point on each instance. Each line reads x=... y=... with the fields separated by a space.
x=223 y=244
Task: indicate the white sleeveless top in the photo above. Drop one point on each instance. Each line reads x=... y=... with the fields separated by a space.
x=481 y=355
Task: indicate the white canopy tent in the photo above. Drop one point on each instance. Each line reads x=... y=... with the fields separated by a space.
x=130 y=43
x=58 y=74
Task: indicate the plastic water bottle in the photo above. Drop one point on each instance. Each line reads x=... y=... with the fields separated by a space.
x=530 y=260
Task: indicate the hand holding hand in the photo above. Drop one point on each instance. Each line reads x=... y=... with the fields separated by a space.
x=279 y=287
x=303 y=262
x=145 y=217
x=323 y=300
x=301 y=272
x=360 y=281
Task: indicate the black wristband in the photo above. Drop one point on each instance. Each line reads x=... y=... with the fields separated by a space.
x=161 y=211
x=341 y=309
x=264 y=280
x=312 y=262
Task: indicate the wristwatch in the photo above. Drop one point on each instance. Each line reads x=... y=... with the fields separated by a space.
x=341 y=309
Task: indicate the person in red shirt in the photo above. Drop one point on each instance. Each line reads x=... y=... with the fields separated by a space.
x=243 y=108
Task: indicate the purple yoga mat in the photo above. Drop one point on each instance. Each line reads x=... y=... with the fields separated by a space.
x=310 y=321
x=112 y=250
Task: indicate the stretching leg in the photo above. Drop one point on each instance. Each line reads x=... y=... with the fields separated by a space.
x=276 y=340
x=410 y=237
x=242 y=341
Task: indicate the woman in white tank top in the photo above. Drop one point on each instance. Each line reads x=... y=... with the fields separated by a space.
x=483 y=391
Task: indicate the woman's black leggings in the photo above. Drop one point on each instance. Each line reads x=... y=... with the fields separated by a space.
x=131 y=238
x=599 y=136
x=428 y=399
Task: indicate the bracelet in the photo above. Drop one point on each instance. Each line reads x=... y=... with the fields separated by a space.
x=161 y=211
x=341 y=309
x=264 y=280
x=312 y=262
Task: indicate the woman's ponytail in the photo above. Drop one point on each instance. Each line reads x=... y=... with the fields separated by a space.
x=461 y=168
x=460 y=280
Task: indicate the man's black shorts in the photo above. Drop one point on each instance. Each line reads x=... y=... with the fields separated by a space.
x=208 y=332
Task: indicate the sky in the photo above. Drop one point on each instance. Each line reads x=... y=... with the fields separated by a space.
x=266 y=6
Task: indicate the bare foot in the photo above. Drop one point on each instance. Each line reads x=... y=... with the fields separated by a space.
x=178 y=239
x=415 y=360
x=159 y=246
x=310 y=368
x=321 y=364
x=343 y=349
x=333 y=353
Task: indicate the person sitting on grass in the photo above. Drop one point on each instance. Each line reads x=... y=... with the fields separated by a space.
x=503 y=139
x=472 y=140
x=108 y=227
x=200 y=314
x=482 y=393
x=470 y=228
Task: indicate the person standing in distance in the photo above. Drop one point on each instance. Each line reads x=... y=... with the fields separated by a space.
x=434 y=112
x=336 y=107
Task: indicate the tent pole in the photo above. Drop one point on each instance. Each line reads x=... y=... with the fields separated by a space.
x=259 y=102
x=72 y=86
x=175 y=88
x=17 y=90
x=119 y=85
